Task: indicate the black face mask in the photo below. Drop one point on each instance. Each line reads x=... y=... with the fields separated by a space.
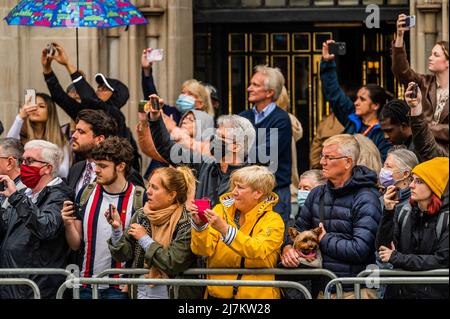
x=218 y=147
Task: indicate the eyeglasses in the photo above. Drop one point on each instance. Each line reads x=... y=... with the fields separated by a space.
x=417 y=181
x=30 y=160
x=329 y=158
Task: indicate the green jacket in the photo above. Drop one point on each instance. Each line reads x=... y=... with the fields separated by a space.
x=172 y=260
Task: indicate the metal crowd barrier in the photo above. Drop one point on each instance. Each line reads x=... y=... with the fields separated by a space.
x=375 y=273
x=385 y=280
x=226 y=271
x=33 y=271
x=180 y=282
x=22 y=281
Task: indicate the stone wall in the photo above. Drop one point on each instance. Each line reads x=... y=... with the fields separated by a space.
x=115 y=52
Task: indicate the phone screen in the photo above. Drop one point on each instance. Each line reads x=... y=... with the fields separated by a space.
x=30 y=93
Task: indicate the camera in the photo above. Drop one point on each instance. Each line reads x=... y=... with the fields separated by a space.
x=51 y=50
x=410 y=21
x=141 y=107
x=2 y=186
x=337 y=48
x=413 y=94
x=76 y=211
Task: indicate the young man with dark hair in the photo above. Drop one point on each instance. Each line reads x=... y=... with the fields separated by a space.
x=394 y=121
x=86 y=227
x=92 y=127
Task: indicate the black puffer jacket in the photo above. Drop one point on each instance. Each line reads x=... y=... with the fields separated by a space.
x=351 y=216
x=417 y=248
x=34 y=238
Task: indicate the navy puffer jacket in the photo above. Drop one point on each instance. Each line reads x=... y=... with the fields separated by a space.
x=351 y=216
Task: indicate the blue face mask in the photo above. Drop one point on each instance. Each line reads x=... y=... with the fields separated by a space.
x=386 y=178
x=185 y=103
x=301 y=197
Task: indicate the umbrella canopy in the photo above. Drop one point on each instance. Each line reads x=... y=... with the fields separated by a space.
x=75 y=14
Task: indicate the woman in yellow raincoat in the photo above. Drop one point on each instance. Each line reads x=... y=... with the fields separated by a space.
x=242 y=231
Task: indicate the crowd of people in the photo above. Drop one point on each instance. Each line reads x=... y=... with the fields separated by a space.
x=377 y=191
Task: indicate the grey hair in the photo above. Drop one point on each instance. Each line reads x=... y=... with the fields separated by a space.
x=315 y=175
x=241 y=127
x=369 y=154
x=274 y=79
x=11 y=147
x=347 y=146
x=50 y=153
x=405 y=159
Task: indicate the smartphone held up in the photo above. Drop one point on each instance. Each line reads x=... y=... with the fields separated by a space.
x=154 y=55
x=30 y=96
x=202 y=205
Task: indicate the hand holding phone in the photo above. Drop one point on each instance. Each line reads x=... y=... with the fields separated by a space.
x=202 y=205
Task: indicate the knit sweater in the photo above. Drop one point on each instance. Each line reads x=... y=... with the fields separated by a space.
x=278 y=119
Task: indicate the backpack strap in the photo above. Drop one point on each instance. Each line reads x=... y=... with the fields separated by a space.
x=87 y=191
x=138 y=200
x=403 y=217
x=441 y=224
x=239 y=277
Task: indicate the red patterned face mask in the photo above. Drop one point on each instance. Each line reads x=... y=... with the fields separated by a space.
x=29 y=175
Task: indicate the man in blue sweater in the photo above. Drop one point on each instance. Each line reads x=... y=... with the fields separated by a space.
x=361 y=116
x=274 y=132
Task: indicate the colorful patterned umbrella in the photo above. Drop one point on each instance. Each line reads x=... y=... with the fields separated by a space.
x=75 y=14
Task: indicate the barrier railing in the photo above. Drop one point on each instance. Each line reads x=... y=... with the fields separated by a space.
x=227 y=271
x=23 y=281
x=34 y=271
x=375 y=273
x=385 y=280
x=181 y=282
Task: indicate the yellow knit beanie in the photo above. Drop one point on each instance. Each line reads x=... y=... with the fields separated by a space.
x=434 y=173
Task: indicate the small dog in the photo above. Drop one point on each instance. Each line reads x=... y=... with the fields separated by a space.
x=306 y=242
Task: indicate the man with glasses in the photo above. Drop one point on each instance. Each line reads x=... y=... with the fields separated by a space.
x=11 y=151
x=34 y=230
x=347 y=209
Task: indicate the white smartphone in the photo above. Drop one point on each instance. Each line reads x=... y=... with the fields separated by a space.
x=155 y=55
x=30 y=93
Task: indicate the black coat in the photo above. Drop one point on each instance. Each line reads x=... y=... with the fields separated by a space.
x=76 y=172
x=34 y=238
x=351 y=216
x=417 y=248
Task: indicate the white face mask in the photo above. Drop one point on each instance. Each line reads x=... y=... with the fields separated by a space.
x=301 y=197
